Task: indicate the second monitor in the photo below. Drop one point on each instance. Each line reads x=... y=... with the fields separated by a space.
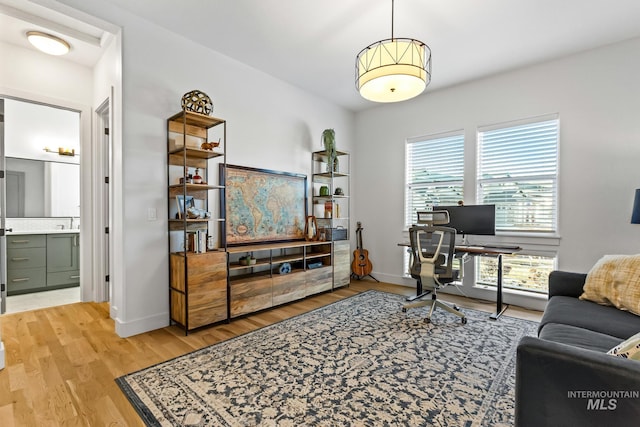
x=471 y=219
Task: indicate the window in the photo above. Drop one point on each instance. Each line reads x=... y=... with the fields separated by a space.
x=434 y=172
x=519 y=271
x=518 y=172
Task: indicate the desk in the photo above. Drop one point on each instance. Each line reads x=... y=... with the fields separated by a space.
x=486 y=251
x=497 y=252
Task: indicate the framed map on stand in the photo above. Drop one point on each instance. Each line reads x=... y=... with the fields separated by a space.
x=262 y=206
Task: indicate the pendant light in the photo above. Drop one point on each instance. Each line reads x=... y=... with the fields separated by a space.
x=394 y=69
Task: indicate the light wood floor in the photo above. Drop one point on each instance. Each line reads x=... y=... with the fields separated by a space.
x=61 y=362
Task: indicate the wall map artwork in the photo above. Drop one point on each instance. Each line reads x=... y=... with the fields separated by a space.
x=263 y=205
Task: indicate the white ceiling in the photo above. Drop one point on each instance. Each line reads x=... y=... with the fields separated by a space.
x=313 y=44
x=19 y=16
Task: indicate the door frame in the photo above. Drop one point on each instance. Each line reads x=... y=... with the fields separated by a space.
x=86 y=178
x=102 y=200
x=3 y=239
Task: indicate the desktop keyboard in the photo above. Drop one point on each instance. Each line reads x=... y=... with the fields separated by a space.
x=498 y=246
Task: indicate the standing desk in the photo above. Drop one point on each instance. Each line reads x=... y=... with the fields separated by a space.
x=496 y=251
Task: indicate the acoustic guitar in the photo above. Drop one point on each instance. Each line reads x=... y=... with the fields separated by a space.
x=361 y=265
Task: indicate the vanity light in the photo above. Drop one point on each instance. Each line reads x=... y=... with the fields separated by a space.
x=48 y=43
x=62 y=151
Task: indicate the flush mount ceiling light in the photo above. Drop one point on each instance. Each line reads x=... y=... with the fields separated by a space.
x=48 y=43
x=394 y=69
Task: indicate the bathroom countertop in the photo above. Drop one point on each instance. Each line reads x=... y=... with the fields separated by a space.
x=65 y=231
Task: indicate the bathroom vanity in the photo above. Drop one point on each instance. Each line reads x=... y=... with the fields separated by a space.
x=41 y=261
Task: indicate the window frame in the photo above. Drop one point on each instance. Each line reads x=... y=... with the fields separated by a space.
x=553 y=178
x=410 y=186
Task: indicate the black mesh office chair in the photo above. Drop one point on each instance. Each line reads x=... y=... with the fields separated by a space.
x=432 y=254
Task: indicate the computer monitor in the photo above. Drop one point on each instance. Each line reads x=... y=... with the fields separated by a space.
x=471 y=219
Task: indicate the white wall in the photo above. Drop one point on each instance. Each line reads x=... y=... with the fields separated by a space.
x=271 y=124
x=31 y=127
x=596 y=94
x=47 y=78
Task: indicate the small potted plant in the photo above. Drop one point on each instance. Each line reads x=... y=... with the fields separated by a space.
x=247 y=260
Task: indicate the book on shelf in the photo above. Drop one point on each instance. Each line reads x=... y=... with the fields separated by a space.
x=197 y=241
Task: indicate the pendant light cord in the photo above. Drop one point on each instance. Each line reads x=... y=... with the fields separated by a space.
x=392 y=9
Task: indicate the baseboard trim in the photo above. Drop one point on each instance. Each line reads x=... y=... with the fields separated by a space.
x=139 y=326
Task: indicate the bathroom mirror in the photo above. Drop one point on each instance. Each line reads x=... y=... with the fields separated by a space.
x=40 y=189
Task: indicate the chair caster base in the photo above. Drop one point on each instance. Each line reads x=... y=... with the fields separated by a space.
x=404 y=309
x=427 y=320
x=464 y=320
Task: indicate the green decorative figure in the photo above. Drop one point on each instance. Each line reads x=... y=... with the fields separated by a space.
x=329 y=142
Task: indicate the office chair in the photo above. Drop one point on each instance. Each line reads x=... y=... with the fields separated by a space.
x=432 y=254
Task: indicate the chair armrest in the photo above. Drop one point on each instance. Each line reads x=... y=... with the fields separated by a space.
x=565 y=283
x=563 y=385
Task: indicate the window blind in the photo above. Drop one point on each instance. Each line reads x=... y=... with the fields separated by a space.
x=518 y=172
x=434 y=173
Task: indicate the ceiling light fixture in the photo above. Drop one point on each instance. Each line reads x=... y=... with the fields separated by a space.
x=48 y=43
x=394 y=69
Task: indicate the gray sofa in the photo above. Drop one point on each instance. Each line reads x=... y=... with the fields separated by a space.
x=564 y=376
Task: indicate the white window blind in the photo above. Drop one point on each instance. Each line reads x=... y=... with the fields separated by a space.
x=434 y=173
x=518 y=172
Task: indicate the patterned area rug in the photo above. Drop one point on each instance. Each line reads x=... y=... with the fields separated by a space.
x=357 y=362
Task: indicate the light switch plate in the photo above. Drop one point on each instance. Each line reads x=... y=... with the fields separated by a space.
x=152 y=214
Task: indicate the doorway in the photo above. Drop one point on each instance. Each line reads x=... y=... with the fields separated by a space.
x=15 y=193
x=43 y=205
x=91 y=72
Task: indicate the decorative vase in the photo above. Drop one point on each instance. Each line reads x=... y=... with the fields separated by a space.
x=311 y=229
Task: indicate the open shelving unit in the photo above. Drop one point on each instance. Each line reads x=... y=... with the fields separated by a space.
x=331 y=210
x=208 y=283
x=198 y=265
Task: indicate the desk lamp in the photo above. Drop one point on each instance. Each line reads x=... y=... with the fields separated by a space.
x=635 y=214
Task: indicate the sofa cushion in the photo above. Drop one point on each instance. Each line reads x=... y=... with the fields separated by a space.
x=615 y=280
x=578 y=337
x=628 y=349
x=592 y=316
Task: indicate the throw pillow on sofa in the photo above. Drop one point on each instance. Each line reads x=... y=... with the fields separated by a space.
x=629 y=349
x=615 y=280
